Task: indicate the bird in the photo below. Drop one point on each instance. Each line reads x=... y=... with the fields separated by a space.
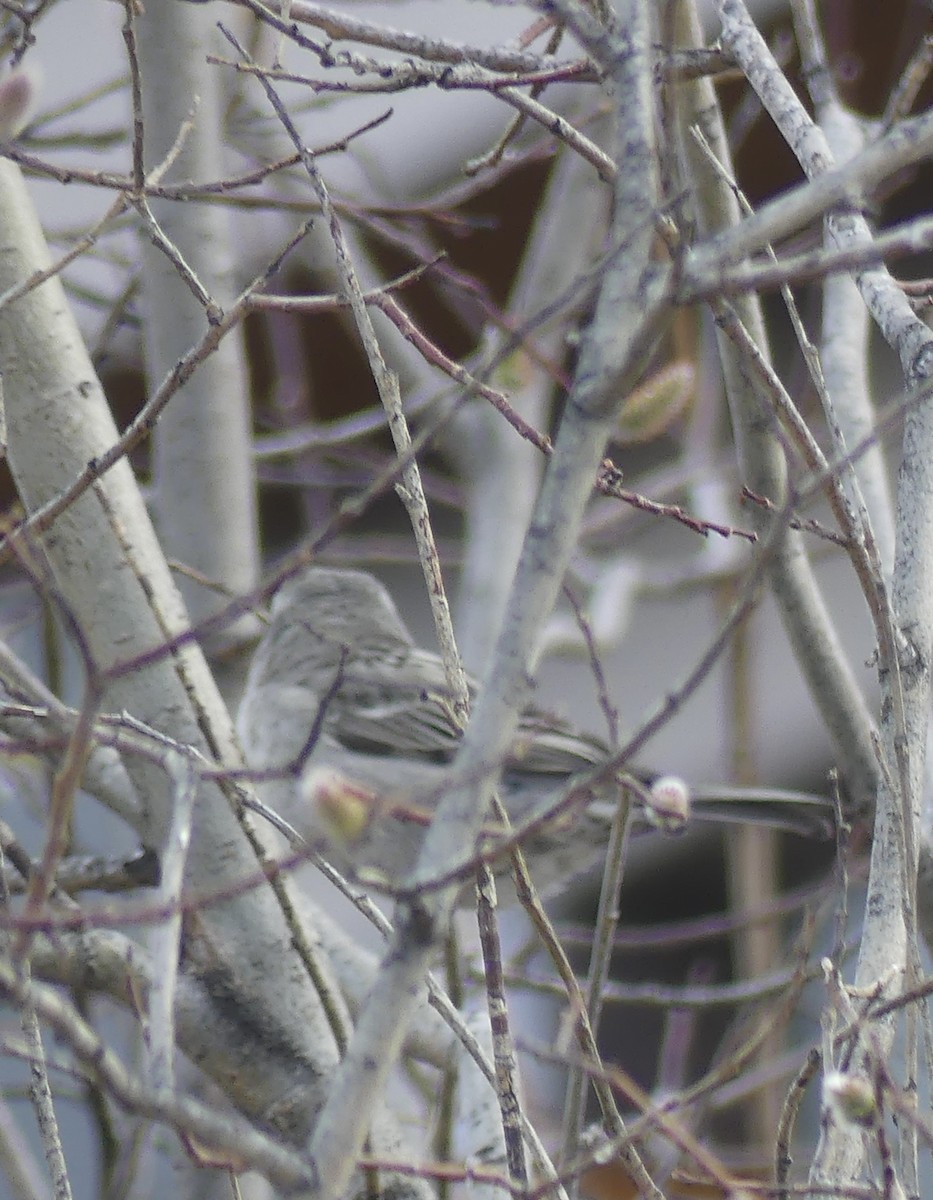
x=353 y=727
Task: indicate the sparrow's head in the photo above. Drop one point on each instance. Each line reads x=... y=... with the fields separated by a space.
x=328 y=613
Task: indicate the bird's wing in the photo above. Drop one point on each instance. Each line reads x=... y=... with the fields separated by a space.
x=544 y=743
x=402 y=706
x=396 y=707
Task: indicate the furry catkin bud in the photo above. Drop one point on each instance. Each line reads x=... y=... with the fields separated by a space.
x=18 y=91
x=667 y=804
x=341 y=808
x=852 y=1099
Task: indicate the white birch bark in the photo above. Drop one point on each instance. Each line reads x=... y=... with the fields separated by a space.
x=205 y=499
x=279 y=1052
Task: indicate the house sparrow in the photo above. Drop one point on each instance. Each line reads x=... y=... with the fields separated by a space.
x=360 y=722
